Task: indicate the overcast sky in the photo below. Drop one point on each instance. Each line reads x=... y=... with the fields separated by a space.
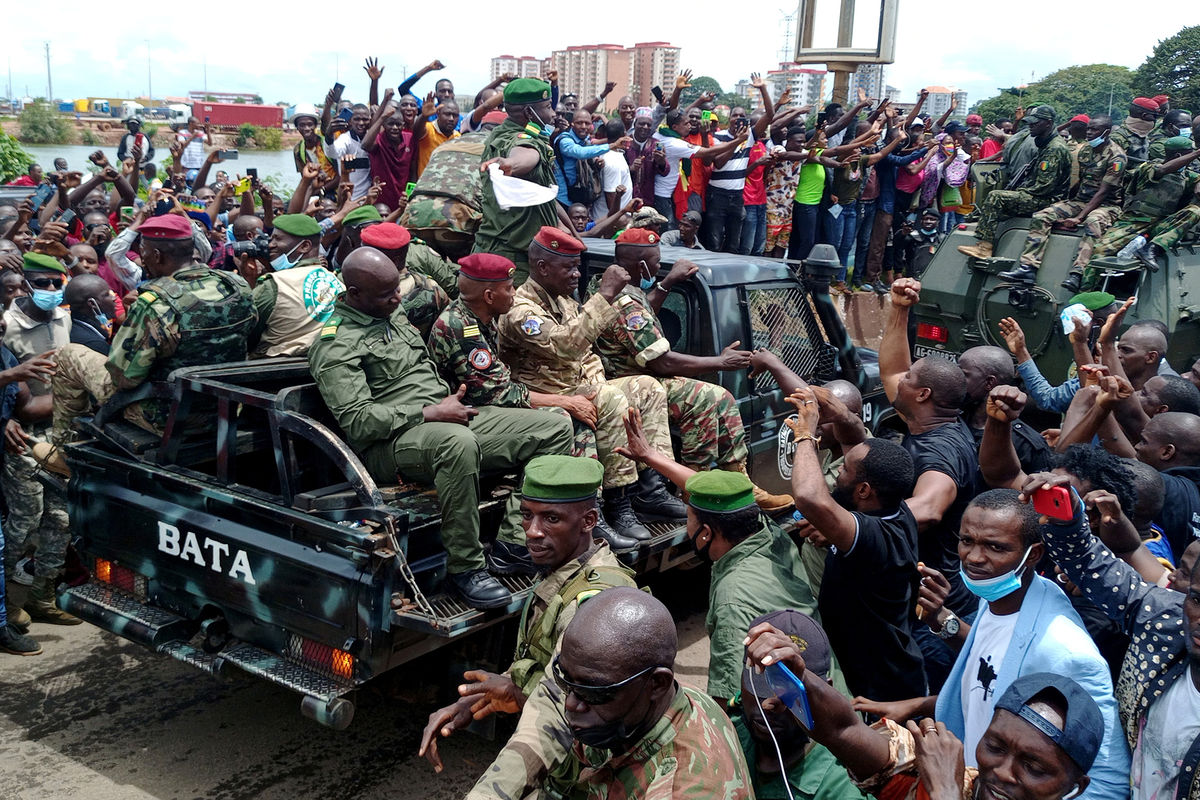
x=281 y=50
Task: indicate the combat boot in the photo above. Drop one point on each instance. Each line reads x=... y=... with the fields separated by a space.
x=15 y=595
x=1073 y=281
x=653 y=503
x=616 y=542
x=981 y=250
x=767 y=502
x=43 y=607
x=16 y=642
x=479 y=589
x=506 y=558
x=1024 y=273
x=619 y=514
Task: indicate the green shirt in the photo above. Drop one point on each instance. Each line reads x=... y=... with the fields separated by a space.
x=513 y=229
x=1097 y=168
x=762 y=573
x=812 y=183
x=424 y=259
x=817 y=776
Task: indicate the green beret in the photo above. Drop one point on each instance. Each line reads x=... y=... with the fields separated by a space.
x=1177 y=144
x=561 y=479
x=1043 y=112
x=40 y=262
x=362 y=214
x=299 y=225
x=526 y=90
x=1093 y=301
x=719 y=490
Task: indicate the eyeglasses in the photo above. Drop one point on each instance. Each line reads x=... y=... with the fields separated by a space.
x=46 y=283
x=592 y=695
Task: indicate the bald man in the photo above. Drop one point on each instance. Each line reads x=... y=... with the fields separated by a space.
x=615 y=675
x=1171 y=444
x=404 y=422
x=986 y=367
x=1139 y=351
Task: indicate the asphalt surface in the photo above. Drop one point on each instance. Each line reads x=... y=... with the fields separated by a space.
x=100 y=718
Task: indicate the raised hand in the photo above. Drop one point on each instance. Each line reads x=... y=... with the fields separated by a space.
x=1005 y=403
x=1014 y=337
x=373 y=70
x=905 y=292
x=684 y=79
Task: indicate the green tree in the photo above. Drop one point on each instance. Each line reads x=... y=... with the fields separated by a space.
x=1091 y=89
x=41 y=124
x=702 y=84
x=1173 y=69
x=14 y=161
x=268 y=138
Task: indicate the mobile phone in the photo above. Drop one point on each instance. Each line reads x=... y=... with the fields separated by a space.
x=127 y=214
x=345 y=114
x=706 y=115
x=42 y=195
x=790 y=690
x=163 y=207
x=252 y=173
x=409 y=189
x=228 y=155
x=1054 y=502
x=362 y=162
x=242 y=186
x=338 y=88
x=67 y=217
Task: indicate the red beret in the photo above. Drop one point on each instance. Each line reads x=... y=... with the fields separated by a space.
x=1081 y=118
x=386 y=236
x=642 y=237
x=494 y=117
x=558 y=241
x=1146 y=103
x=166 y=226
x=486 y=267
x=1161 y=98
x=974 y=119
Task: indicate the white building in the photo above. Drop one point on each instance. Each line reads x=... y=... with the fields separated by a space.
x=939 y=101
x=521 y=66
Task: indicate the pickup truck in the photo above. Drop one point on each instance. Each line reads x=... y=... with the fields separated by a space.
x=258 y=543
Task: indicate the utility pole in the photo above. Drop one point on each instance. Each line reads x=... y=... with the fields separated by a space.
x=49 y=84
x=149 y=74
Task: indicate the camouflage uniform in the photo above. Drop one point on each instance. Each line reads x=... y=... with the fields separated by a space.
x=464 y=348
x=691 y=752
x=547 y=342
x=424 y=259
x=422 y=300
x=542 y=739
x=197 y=316
x=508 y=232
x=1136 y=145
x=37 y=515
x=1177 y=227
x=1105 y=167
x=710 y=425
x=376 y=377
x=1047 y=181
x=447 y=204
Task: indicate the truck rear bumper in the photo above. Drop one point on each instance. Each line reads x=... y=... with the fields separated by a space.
x=117 y=612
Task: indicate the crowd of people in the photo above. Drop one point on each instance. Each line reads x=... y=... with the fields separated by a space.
x=984 y=607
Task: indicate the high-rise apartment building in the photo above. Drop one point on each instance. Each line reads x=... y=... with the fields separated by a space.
x=521 y=66
x=939 y=101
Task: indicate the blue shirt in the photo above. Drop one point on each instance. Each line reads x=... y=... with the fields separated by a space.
x=1043 y=395
x=570 y=149
x=886 y=169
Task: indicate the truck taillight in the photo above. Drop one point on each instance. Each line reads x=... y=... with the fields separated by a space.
x=934 y=333
x=122 y=578
x=325 y=658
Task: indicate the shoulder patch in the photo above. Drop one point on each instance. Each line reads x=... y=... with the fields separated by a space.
x=1045 y=165
x=330 y=328
x=148 y=297
x=635 y=322
x=470 y=332
x=532 y=326
x=624 y=300
x=586 y=595
x=480 y=358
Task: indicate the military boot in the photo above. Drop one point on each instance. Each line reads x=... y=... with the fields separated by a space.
x=479 y=589
x=767 y=502
x=653 y=503
x=506 y=558
x=1024 y=273
x=619 y=514
x=616 y=542
x=43 y=607
x=980 y=250
x=15 y=595
x=1073 y=281
x=16 y=642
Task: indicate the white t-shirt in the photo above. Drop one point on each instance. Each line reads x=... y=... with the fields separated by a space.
x=614 y=174
x=347 y=145
x=1171 y=726
x=675 y=150
x=992 y=635
x=193 y=150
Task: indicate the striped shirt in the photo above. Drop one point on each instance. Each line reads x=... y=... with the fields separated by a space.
x=732 y=176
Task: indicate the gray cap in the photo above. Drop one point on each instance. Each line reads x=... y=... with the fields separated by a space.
x=1043 y=112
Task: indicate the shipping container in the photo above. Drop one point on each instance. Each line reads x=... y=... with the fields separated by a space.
x=234 y=114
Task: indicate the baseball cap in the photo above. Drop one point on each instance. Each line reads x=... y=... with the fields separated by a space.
x=1083 y=731
x=807 y=634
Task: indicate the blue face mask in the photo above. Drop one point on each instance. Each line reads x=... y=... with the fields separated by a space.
x=281 y=261
x=1097 y=142
x=46 y=299
x=547 y=130
x=993 y=589
x=646 y=283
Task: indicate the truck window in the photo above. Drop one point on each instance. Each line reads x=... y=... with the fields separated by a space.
x=783 y=321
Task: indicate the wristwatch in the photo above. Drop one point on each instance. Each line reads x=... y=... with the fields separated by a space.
x=950 y=626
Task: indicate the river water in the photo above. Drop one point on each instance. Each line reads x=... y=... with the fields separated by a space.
x=268 y=162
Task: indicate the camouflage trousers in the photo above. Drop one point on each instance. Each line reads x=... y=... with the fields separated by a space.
x=37 y=517
x=585 y=438
x=80 y=375
x=1002 y=204
x=1120 y=234
x=613 y=399
x=1094 y=225
x=1176 y=227
x=710 y=425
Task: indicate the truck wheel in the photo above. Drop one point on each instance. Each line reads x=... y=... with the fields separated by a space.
x=336 y=714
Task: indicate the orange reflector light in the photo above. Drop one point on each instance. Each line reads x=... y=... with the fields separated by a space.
x=104 y=570
x=934 y=333
x=343 y=664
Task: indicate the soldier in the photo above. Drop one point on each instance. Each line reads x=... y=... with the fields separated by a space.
x=378 y=381
x=546 y=338
x=420 y=257
x=637 y=732
x=186 y=315
x=37 y=515
x=1133 y=135
x=710 y=425
x=420 y=296
x=559 y=515
x=1096 y=203
x=463 y=345
x=520 y=146
x=294 y=300
x=1156 y=190
x=1174 y=123
x=1045 y=182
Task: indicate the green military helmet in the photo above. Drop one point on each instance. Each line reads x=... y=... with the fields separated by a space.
x=562 y=479
x=719 y=491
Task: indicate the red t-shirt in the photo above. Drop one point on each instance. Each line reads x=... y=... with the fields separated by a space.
x=990 y=147
x=393 y=165
x=755 y=193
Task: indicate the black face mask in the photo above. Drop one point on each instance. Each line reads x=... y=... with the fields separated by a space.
x=702 y=551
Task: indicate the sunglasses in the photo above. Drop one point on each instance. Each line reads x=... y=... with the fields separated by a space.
x=46 y=283
x=592 y=695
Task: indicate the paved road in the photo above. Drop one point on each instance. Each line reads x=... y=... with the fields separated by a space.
x=97 y=717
